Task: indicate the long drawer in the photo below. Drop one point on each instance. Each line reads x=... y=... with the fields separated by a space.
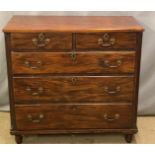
x=73 y=89
x=69 y=62
x=77 y=116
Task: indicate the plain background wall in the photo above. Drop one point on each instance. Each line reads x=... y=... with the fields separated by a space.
x=147 y=80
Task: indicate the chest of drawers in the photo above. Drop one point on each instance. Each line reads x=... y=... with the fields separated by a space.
x=73 y=74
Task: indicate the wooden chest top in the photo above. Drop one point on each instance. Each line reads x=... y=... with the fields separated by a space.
x=72 y=24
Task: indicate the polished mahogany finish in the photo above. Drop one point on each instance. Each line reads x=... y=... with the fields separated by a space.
x=62 y=116
x=73 y=24
x=34 y=41
x=73 y=89
x=73 y=74
x=82 y=62
x=106 y=41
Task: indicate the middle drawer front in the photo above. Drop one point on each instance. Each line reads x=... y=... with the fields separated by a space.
x=71 y=62
x=74 y=89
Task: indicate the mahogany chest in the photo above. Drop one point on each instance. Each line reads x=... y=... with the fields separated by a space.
x=73 y=74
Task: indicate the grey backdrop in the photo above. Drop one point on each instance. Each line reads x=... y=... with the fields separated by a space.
x=147 y=80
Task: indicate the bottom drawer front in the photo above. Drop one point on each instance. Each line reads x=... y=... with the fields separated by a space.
x=64 y=116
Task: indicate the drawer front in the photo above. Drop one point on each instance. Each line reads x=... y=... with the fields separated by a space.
x=35 y=41
x=104 y=41
x=79 y=62
x=74 y=89
x=63 y=116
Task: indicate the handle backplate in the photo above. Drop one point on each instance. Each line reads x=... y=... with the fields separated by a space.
x=111 y=118
x=36 y=119
x=106 y=40
x=106 y=63
x=41 y=40
x=109 y=91
x=37 y=65
x=38 y=92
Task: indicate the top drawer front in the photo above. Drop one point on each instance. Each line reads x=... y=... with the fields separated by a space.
x=104 y=41
x=35 y=41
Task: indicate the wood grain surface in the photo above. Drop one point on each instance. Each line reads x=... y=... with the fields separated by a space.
x=84 y=62
x=74 y=89
x=73 y=74
x=22 y=41
x=73 y=117
x=90 y=41
x=72 y=24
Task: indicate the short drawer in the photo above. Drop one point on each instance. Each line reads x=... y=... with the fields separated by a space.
x=105 y=41
x=72 y=89
x=33 y=41
x=77 y=116
x=79 y=62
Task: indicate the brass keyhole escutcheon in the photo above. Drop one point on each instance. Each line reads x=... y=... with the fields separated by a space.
x=73 y=56
x=74 y=80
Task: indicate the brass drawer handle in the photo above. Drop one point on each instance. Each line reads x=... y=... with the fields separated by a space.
x=38 y=64
x=107 y=90
x=106 y=40
x=39 y=91
x=41 y=40
x=34 y=119
x=106 y=63
x=111 y=119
